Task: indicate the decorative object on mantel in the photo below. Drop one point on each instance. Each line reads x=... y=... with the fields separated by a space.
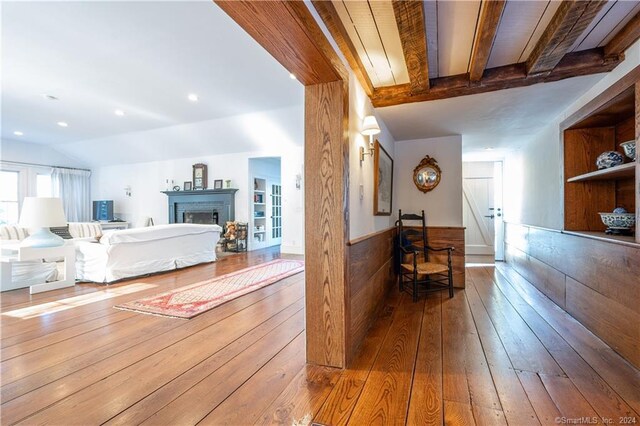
x=217 y=184
x=427 y=174
x=370 y=128
x=629 y=149
x=199 y=176
x=609 y=159
x=168 y=184
x=228 y=183
x=176 y=188
x=619 y=222
x=382 y=181
x=188 y=186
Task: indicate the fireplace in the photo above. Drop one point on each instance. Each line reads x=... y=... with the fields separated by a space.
x=208 y=206
x=203 y=218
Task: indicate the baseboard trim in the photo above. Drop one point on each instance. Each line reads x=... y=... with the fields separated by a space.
x=291 y=249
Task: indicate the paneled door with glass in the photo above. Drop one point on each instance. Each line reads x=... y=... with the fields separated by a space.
x=276 y=214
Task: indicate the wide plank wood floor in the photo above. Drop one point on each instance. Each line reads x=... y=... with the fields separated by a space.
x=499 y=352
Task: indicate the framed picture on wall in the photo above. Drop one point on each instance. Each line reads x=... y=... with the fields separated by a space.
x=217 y=184
x=199 y=176
x=382 y=181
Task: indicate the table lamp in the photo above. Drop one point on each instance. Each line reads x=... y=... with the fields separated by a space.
x=42 y=213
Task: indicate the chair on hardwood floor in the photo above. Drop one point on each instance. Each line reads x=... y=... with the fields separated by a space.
x=419 y=275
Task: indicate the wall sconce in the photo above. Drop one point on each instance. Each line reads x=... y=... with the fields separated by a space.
x=369 y=128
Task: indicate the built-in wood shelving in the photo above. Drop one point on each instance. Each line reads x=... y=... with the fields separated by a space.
x=618 y=172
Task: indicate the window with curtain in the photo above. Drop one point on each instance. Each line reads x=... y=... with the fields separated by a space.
x=74 y=188
x=9 y=190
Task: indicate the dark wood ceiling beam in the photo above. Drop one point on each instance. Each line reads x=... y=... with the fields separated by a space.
x=573 y=64
x=569 y=22
x=288 y=31
x=624 y=38
x=410 y=20
x=331 y=19
x=490 y=15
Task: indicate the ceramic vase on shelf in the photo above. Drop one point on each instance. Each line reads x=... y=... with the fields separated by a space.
x=609 y=159
x=629 y=149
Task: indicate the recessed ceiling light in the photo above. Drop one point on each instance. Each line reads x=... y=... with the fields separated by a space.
x=49 y=97
x=489 y=148
x=62 y=124
x=119 y=112
x=193 y=97
x=292 y=76
x=18 y=133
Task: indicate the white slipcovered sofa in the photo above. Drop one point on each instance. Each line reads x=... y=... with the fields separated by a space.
x=141 y=251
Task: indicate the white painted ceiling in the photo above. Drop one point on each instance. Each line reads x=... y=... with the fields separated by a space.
x=141 y=57
x=500 y=120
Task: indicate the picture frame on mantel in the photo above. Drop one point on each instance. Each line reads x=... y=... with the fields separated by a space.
x=188 y=186
x=200 y=176
x=382 y=181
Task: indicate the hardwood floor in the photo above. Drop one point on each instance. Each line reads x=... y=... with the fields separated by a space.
x=499 y=352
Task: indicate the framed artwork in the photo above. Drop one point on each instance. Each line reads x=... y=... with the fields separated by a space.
x=217 y=184
x=188 y=186
x=382 y=181
x=199 y=176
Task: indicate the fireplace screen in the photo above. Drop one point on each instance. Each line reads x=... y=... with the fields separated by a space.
x=204 y=218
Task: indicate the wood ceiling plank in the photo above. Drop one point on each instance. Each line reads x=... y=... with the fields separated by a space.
x=616 y=13
x=331 y=19
x=519 y=21
x=409 y=17
x=272 y=26
x=573 y=64
x=569 y=22
x=624 y=38
x=383 y=14
x=622 y=23
x=490 y=15
x=549 y=12
x=365 y=26
x=431 y=24
x=456 y=28
x=594 y=23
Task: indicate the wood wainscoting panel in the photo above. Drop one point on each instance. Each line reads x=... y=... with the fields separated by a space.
x=371 y=276
x=596 y=281
x=545 y=278
x=617 y=325
x=327 y=223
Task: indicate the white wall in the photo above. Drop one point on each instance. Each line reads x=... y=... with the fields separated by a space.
x=443 y=205
x=25 y=152
x=147 y=180
x=362 y=221
x=533 y=174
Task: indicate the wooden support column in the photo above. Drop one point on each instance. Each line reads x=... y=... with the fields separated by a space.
x=326 y=222
x=637 y=160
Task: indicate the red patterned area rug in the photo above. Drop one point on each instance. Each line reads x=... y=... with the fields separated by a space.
x=195 y=299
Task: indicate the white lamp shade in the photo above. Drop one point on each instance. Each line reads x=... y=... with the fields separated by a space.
x=370 y=126
x=42 y=212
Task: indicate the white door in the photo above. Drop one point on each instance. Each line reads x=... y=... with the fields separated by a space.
x=275 y=193
x=482 y=214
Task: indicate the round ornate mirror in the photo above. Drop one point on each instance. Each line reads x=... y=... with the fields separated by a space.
x=427 y=174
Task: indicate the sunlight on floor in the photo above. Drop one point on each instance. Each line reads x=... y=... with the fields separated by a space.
x=72 y=302
x=478 y=265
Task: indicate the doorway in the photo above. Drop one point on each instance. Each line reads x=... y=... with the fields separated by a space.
x=482 y=211
x=265 y=213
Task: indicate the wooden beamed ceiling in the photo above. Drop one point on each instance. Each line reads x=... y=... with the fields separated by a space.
x=554 y=53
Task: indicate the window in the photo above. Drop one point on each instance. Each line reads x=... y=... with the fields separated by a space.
x=43 y=185
x=9 y=208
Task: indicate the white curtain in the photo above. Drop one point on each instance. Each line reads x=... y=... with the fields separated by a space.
x=74 y=187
